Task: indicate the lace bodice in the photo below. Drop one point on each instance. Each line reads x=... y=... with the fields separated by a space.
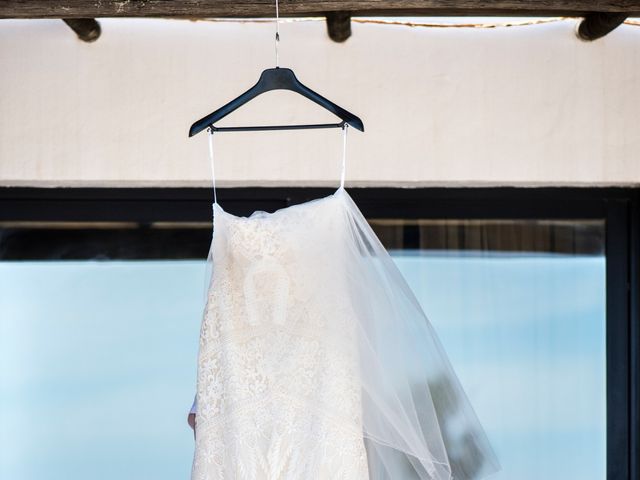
x=278 y=392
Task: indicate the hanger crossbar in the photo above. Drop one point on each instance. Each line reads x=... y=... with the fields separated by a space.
x=276 y=127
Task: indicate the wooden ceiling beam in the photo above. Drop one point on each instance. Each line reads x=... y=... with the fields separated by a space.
x=87 y=29
x=339 y=26
x=195 y=9
x=597 y=25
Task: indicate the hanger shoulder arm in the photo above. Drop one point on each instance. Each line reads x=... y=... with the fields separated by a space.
x=226 y=109
x=345 y=115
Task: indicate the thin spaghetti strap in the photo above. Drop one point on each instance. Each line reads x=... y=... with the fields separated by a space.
x=213 y=173
x=344 y=153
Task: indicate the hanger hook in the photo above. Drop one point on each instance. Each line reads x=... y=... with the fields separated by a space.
x=277 y=34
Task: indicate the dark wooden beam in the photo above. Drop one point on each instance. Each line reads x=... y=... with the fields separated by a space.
x=339 y=26
x=598 y=24
x=87 y=29
x=296 y=8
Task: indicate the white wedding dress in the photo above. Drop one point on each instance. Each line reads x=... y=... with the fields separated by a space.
x=316 y=361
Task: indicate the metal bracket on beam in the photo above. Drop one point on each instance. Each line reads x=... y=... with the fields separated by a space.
x=597 y=24
x=339 y=25
x=87 y=29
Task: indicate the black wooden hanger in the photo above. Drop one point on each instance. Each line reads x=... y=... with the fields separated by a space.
x=276 y=79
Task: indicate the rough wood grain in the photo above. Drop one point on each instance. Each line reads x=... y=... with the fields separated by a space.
x=265 y=8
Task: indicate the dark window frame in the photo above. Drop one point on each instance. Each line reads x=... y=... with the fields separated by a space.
x=619 y=206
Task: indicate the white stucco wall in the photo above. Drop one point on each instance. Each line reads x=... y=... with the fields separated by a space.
x=507 y=106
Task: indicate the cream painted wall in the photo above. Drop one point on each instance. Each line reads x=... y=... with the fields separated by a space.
x=508 y=106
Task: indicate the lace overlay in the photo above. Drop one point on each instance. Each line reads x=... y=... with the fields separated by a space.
x=278 y=382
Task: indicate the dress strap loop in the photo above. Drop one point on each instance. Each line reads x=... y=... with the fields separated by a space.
x=213 y=174
x=344 y=153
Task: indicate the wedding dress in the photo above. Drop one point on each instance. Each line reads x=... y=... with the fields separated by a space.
x=316 y=361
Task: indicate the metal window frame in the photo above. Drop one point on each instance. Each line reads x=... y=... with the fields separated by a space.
x=618 y=206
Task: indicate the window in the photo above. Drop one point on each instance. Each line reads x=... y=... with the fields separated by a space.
x=533 y=293
x=520 y=306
